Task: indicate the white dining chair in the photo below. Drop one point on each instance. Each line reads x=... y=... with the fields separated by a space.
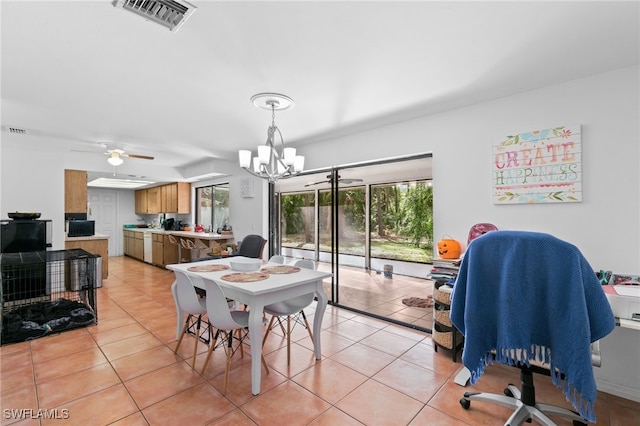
x=293 y=309
x=226 y=322
x=195 y=307
x=276 y=258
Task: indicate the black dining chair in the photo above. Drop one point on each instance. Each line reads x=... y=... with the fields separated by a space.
x=251 y=246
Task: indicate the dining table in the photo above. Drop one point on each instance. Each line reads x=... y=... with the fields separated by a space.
x=281 y=283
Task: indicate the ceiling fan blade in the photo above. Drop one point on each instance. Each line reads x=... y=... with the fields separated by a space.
x=143 y=157
x=348 y=181
x=316 y=183
x=84 y=150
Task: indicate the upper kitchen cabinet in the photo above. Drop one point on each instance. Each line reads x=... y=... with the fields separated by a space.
x=75 y=191
x=141 y=201
x=176 y=198
x=169 y=198
x=154 y=203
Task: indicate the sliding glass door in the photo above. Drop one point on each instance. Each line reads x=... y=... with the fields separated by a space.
x=371 y=225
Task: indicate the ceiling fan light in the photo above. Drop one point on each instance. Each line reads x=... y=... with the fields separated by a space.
x=115 y=160
x=245 y=158
x=298 y=163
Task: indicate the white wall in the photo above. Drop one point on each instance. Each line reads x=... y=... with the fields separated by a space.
x=33 y=181
x=607 y=107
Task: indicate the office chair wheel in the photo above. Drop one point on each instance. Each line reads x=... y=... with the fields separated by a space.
x=465 y=403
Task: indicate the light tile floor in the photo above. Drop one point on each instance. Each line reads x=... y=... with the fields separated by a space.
x=372 y=292
x=122 y=371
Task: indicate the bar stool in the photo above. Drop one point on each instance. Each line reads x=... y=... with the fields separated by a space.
x=190 y=245
x=174 y=240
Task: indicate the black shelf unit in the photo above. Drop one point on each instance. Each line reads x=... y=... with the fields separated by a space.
x=444 y=333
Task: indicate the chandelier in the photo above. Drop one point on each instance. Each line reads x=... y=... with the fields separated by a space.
x=273 y=162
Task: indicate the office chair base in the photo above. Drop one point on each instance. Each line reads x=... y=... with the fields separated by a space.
x=522 y=413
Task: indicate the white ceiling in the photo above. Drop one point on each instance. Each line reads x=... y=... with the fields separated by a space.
x=80 y=73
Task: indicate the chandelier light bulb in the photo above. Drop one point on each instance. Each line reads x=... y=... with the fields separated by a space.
x=245 y=158
x=289 y=156
x=264 y=154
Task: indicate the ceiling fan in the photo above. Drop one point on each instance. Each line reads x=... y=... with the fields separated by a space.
x=346 y=181
x=116 y=154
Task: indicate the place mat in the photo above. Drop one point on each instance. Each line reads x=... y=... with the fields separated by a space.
x=208 y=268
x=245 y=277
x=280 y=269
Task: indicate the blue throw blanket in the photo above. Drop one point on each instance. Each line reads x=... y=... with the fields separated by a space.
x=530 y=296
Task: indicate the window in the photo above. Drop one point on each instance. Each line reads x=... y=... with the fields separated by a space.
x=401 y=218
x=298 y=220
x=212 y=206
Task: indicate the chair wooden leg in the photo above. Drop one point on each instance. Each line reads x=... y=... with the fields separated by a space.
x=212 y=344
x=226 y=371
x=184 y=330
x=304 y=317
x=264 y=363
x=240 y=343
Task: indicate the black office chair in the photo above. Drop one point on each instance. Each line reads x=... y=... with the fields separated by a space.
x=251 y=246
x=532 y=301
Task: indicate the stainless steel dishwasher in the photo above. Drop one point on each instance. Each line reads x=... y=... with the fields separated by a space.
x=148 y=247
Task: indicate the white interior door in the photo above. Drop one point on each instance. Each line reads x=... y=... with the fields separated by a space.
x=103 y=207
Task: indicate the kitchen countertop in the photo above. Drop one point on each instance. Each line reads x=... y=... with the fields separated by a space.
x=92 y=237
x=186 y=234
x=201 y=235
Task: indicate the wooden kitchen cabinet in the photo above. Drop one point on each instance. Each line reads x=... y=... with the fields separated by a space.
x=94 y=245
x=170 y=252
x=163 y=252
x=183 y=197
x=168 y=193
x=134 y=244
x=154 y=203
x=141 y=201
x=176 y=198
x=170 y=198
x=157 y=252
x=138 y=246
x=75 y=191
x=128 y=244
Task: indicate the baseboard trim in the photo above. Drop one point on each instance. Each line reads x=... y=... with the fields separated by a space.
x=618 y=390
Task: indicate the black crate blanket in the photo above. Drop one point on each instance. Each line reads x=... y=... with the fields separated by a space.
x=42 y=318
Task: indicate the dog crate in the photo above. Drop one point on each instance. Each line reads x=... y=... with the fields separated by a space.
x=47 y=292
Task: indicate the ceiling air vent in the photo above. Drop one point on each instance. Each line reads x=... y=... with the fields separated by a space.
x=168 y=13
x=14 y=130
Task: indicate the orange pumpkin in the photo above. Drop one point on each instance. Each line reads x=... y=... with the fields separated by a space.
x=449 y=248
